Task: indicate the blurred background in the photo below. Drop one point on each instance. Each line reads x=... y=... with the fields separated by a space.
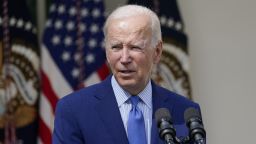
x=218 y=38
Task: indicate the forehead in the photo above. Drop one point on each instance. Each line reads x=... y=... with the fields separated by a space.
x=139 y=25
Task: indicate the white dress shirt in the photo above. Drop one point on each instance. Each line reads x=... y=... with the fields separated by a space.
x=122 y=98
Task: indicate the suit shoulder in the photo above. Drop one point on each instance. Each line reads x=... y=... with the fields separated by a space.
x=80 y=97
x=178 y=104
x=179 y=99
x=176 y=101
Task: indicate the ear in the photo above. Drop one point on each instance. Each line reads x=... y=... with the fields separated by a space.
x=158 y=52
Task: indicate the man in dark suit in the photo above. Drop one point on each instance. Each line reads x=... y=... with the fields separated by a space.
x=102 y=113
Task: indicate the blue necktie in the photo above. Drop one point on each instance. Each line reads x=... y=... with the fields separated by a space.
x=136 y=126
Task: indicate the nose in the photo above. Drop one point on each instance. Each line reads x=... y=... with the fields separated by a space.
x=125 y=56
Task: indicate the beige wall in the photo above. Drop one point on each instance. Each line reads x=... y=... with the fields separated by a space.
x=222 y=37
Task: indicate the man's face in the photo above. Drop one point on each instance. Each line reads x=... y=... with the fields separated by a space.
x=129 y=52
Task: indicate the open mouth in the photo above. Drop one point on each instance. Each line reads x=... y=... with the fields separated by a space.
x=126 y=71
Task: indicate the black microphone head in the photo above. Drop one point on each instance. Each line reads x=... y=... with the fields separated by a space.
x=164 y=124
x=195 y=124
x=191 y=113
x=162 y=113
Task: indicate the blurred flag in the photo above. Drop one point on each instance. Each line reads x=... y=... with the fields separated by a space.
x=72 y=54
x=19 y=74
x=173 y=70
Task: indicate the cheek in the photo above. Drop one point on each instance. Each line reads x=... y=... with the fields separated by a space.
x=148 y=63
x=112 y=59
x=144 y=64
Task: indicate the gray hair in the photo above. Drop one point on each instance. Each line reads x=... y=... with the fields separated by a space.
x=132 y=10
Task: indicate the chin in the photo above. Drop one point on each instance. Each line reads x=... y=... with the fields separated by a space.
x=125 y=83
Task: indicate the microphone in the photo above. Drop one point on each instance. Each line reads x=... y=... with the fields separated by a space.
x=195 y=124
x=165 y=127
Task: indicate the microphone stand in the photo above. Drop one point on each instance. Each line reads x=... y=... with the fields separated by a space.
x=170 y=140
x=200 y=141
x=187 y=140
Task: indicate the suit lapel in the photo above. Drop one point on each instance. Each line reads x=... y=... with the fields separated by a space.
x=159 y=100
x=108 y=111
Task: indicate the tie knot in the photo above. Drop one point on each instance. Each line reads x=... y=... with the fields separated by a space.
x=134 y=100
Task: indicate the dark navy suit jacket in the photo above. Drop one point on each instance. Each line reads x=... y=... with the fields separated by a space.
x=92 y=116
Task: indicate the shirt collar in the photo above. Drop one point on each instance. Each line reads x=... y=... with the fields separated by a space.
x=122 y=96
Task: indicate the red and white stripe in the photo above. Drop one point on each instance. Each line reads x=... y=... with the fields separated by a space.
x=54 y=86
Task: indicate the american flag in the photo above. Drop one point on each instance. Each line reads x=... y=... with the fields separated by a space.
x=72 y=54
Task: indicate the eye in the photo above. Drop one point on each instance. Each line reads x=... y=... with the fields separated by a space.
x=137 y=48
x=116 y=47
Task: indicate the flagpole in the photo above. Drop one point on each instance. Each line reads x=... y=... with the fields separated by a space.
x=80 y=46
x=41 y=17
x=10 y=130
